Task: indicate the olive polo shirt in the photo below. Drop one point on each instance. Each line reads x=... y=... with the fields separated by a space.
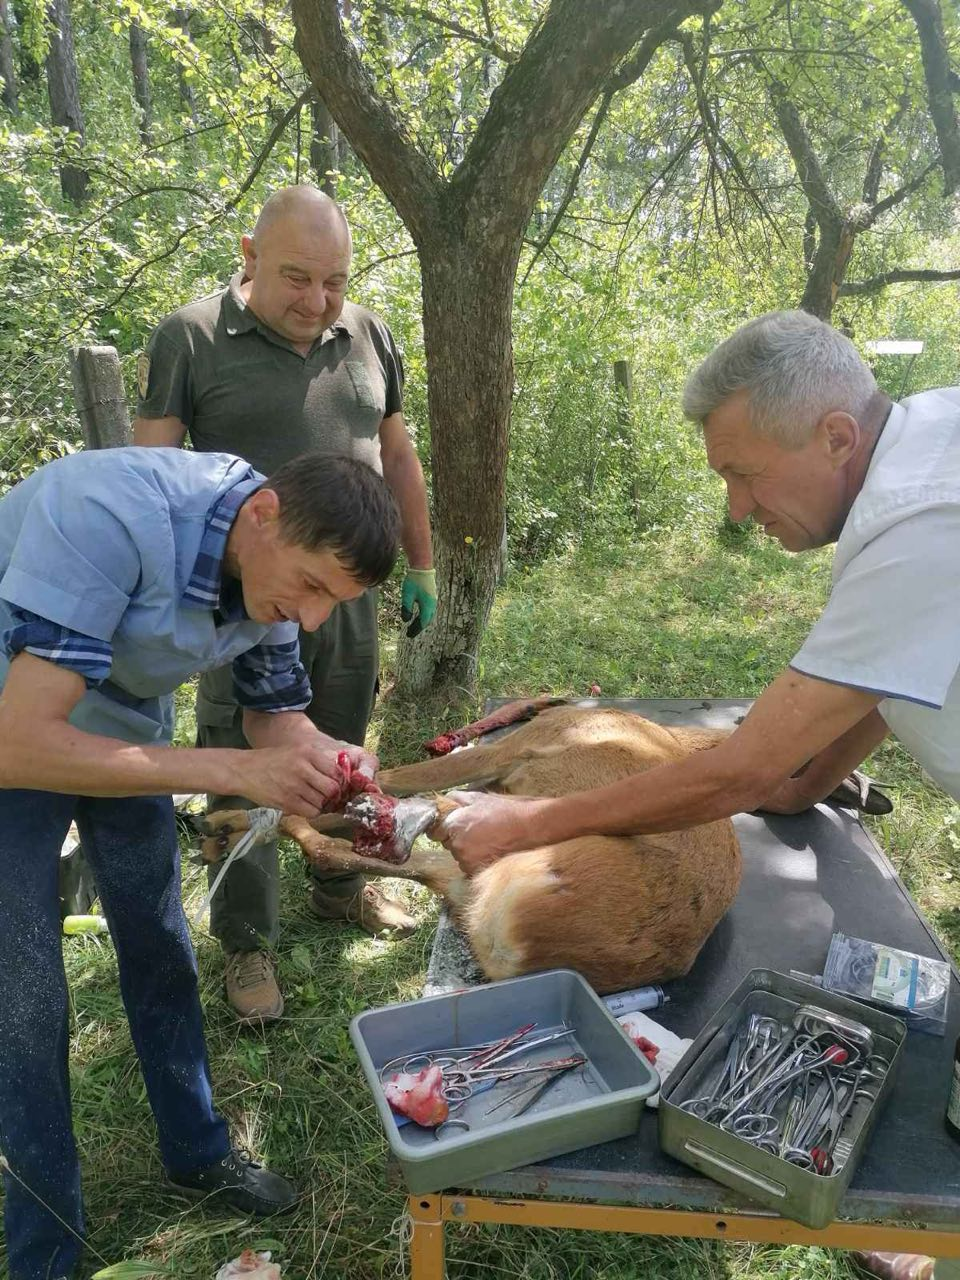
x=241 y=388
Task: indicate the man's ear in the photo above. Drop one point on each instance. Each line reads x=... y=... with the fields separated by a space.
x=840 y=436
x=264 y=508
x=249 y=256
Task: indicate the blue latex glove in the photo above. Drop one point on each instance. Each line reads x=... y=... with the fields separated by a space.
x=418 y=599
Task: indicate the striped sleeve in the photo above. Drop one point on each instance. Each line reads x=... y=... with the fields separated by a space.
x=86 y=655
x=270 y=677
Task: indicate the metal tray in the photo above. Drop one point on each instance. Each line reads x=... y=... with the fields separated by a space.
x=594 y=1103
x=807 y=1197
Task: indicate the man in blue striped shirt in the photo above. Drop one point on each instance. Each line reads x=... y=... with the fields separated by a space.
x=123 y=573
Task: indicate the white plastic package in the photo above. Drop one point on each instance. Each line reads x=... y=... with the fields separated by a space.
x=249 y=1266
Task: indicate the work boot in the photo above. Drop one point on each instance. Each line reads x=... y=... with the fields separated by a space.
x=252 y=989
x=894 y=1266
x=369 y=907
x=239 y=1183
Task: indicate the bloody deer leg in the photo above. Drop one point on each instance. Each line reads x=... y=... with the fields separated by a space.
x=510 y=713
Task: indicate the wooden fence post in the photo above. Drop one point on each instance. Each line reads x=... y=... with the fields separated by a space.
x=102 y=410
x=623 y=381
x=100 y=397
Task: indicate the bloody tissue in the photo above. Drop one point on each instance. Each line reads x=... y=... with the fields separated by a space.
x=419 y=1095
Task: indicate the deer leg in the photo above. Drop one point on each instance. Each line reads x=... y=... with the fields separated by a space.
x=221 y=830
x=385 y=827
x=481 y=766
x=430 y=866
x=510 y=713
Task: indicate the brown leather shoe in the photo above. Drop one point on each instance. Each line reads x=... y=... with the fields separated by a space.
x=370 y=908
x=252 y=989
x=894 y=1266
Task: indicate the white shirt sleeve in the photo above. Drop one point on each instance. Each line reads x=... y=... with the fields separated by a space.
x=892 y=623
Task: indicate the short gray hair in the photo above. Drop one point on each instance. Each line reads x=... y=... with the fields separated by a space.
x=794 y=369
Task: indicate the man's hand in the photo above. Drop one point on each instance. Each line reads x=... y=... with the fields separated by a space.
x=419 y=593
x=485 y=828
x=298 y=779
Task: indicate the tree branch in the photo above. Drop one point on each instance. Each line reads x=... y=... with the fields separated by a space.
x=936 y=68
x=543 y=97
x=871 y=181
x=447 y=24
x=716 y=144
x=574 y=179
x=272 y=139
x=202 y=223
x=625 y=75
x=357 y=276
x=904 y=276
x=895 y=197
x=377 y=135
x=825 y=208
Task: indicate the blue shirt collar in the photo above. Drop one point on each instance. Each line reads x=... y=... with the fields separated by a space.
x=203 y=591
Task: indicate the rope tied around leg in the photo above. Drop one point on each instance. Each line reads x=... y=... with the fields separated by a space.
x=264 y=828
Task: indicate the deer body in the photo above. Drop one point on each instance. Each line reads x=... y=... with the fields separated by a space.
x=623 y=910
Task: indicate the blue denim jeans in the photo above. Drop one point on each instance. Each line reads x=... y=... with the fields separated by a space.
x=132 y=848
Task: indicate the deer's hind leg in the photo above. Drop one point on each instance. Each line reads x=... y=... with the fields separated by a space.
x=483 y=765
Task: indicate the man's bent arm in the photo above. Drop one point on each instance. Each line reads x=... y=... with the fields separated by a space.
x=279 y=728
x=296 y=729
x=40 y=750
x=795 y=719
x=404 y=476
x=828 y=769
x=158 y=431
x=790 y=723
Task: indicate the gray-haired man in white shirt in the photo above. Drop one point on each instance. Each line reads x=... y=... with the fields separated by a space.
x=811 y=449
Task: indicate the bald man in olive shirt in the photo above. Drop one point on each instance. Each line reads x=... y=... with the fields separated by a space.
x=277 y=363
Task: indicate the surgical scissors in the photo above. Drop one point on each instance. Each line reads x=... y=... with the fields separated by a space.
x=475 y=1068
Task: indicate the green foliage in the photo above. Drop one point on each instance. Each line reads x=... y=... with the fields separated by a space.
x=665 y=246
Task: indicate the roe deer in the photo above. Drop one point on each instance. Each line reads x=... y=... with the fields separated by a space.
x=623 y=910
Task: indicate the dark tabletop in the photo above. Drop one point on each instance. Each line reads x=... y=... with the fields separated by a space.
x=804 y=878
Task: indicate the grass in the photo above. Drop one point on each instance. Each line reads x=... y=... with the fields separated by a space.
x=687 y=615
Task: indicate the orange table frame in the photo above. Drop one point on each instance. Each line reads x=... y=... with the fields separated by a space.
x=431 y=1213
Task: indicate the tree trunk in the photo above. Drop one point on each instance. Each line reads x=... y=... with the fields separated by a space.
x=141 y=81
x=468 y=230
x=181 y=18
x=829 y=266
x=469 y=384
x=7 y=66
x=30 y=69
x=65 y=107
x=324 y=146
x=936 y=70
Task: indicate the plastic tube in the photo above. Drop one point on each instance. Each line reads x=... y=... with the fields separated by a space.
x=635 y=1001
x=84 y=924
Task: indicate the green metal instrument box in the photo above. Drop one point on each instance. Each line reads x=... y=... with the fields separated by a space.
x=793 y=1192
